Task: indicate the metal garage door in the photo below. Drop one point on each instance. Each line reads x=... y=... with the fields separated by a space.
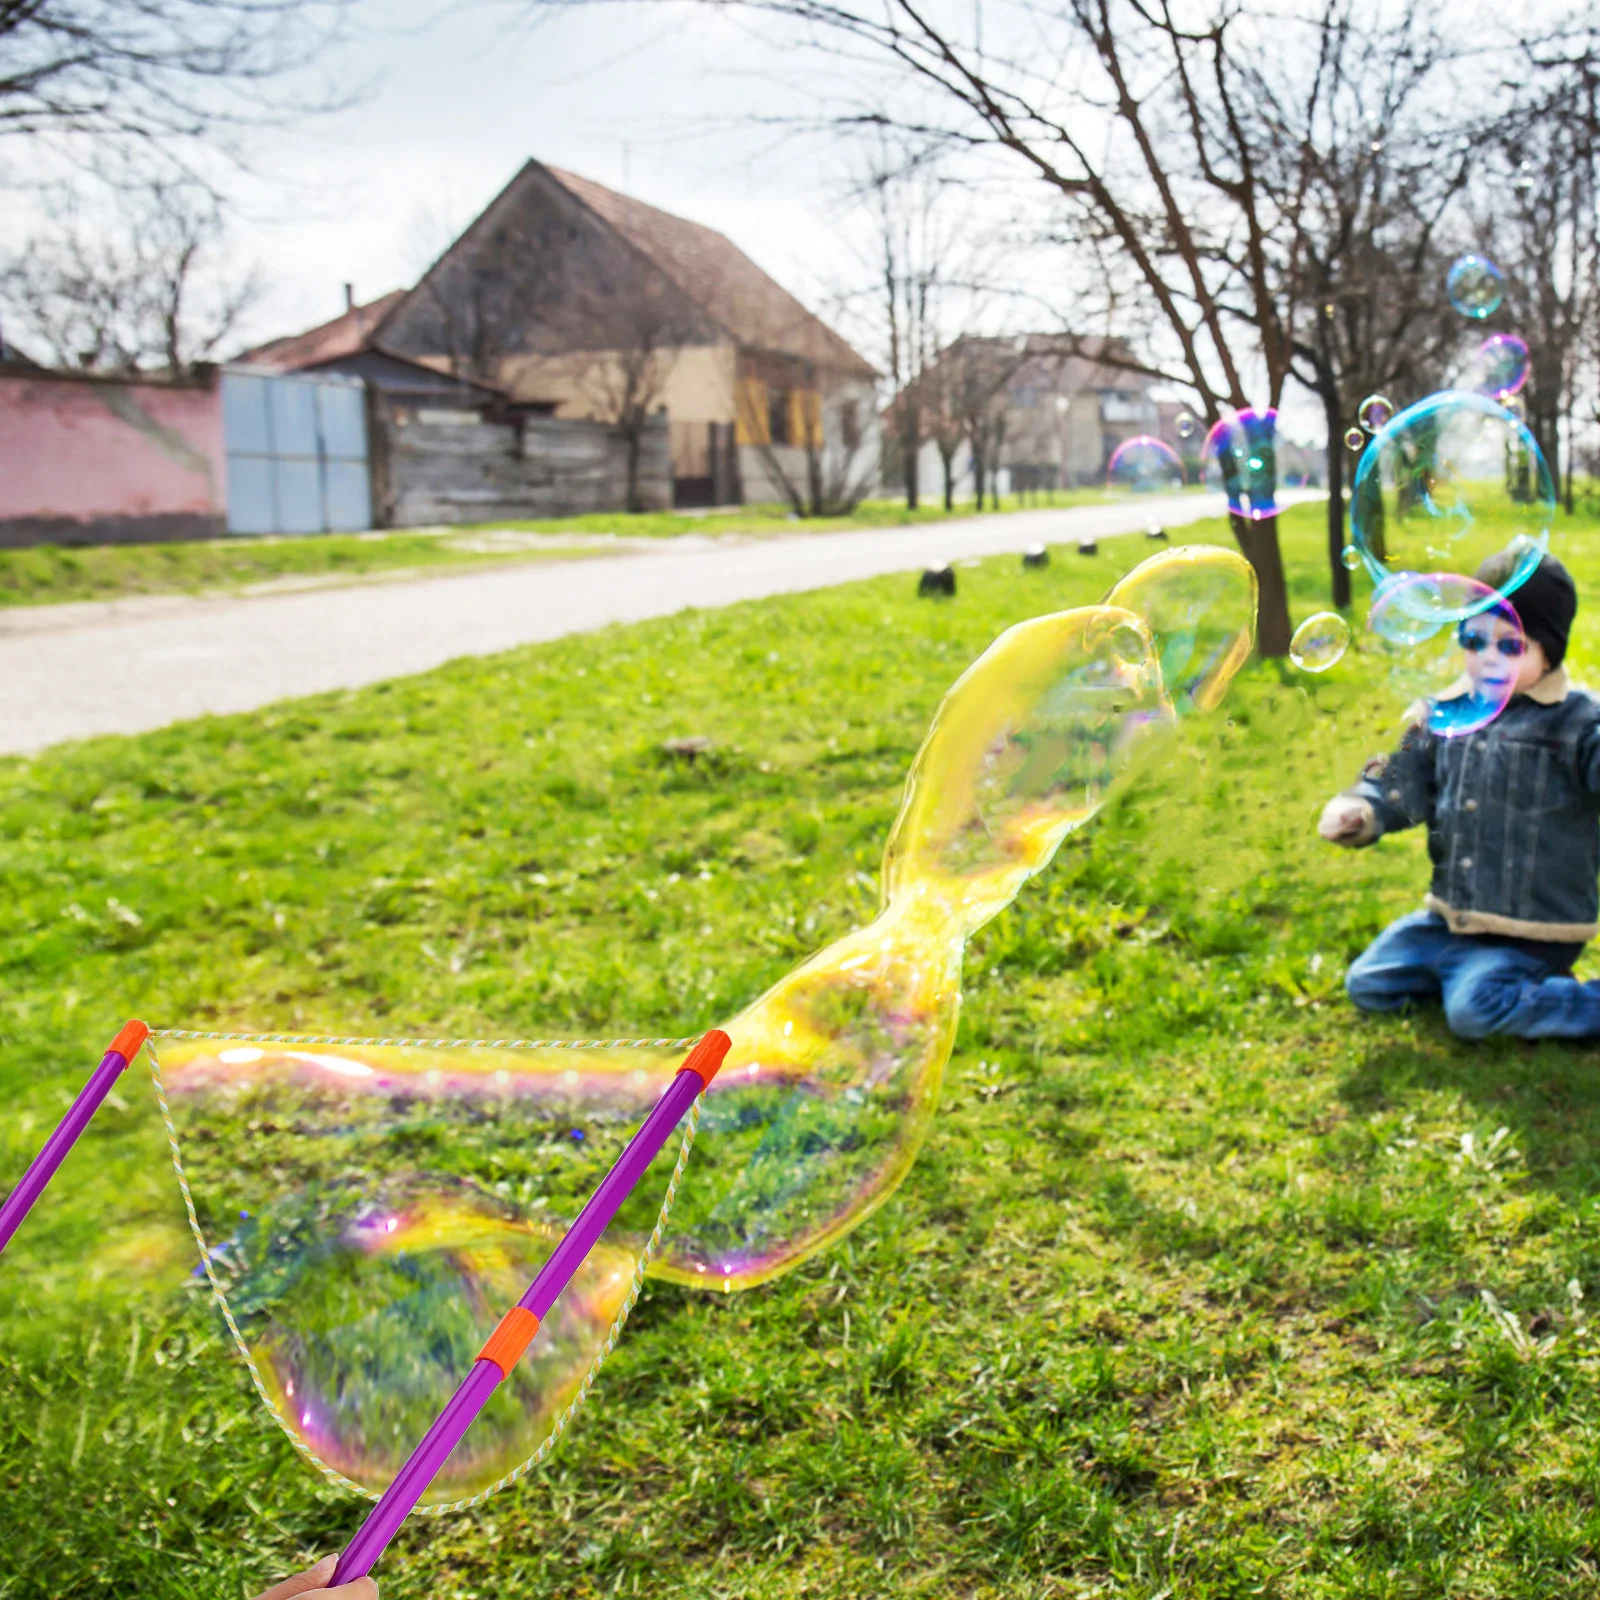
x=297 y=453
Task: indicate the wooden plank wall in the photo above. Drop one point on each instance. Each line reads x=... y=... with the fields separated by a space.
x=477 y=471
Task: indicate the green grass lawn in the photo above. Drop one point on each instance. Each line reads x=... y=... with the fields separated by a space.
x=49 y=574
x=1190 y=1294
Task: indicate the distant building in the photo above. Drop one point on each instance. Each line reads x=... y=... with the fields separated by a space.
x=568 y=299
x=1039 y=411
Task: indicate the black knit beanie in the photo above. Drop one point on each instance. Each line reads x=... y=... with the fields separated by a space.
x=1546 y=602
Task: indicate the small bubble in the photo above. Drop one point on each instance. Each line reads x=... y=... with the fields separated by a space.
x=1350 y=558
x=1355 y=439
x=1374 y=412
x=1475 y=287
x=1319 y=642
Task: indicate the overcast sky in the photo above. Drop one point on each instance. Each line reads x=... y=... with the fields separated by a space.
x=657 y=102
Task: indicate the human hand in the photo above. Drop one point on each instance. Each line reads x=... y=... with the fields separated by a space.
x=1343 y=819
x=312 y=1584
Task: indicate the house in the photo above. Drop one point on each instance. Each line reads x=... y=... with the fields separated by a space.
x=571 y=297
x=348 y=346
x=1033 y=411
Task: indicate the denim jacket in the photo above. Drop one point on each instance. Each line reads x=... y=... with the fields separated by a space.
x=1513 y=814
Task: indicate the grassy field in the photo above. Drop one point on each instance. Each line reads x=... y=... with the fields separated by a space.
x=48 y=574
x=1204 y=1285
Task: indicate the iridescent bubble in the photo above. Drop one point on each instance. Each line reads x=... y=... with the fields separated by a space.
x=396 y=1199
x=1455 y=676
x=1500 y=367
x=1475 y=287
x=1350 y=558
x=1449 y=482
x=1243 y=450
x=1187 y=425
x=1374 y=412
x=1145 y=464
x=1319 y=642
x=1355 y=439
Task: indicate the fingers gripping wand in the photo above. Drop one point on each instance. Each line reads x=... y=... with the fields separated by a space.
x=518 y=1326
x=20 y=1201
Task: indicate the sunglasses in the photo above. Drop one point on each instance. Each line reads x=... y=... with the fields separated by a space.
x=1509 y=644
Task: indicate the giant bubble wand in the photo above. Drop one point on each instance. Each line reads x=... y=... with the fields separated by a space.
x=517 y=1328
x=34 y=1181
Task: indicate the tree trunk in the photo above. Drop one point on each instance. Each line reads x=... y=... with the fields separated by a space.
x=1259 y=543
x=1341 y=578
x=911 y=451
x=947 y=461
x=1572 y=450
x=635 y=449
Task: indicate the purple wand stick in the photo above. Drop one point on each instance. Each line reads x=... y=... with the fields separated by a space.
x=20 y=1201
x=521 y=1322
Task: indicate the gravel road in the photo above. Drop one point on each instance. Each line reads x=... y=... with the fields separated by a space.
x=71 y=671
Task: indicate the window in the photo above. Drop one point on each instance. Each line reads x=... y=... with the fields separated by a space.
x=778 y=416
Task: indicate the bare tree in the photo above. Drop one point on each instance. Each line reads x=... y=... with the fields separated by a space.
x=1547 y=235
x=149 y=289
x=625 y=383
x=976 y=374
x=1370 y=164
x=1141 y=118
x=151 y=74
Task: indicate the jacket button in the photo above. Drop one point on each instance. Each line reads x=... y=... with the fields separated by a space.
x=1466 y=863
x=1471 y=805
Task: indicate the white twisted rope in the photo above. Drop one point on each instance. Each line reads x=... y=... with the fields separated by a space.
x=559 y=1427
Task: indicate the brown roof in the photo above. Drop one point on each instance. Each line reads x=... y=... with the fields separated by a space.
x=346 y=335
x=759 y=313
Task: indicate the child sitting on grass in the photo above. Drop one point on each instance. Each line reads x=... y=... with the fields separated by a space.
x=1513 y=816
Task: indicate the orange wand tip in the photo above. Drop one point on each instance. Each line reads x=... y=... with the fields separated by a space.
x=127 y=1043
x=706 y=1059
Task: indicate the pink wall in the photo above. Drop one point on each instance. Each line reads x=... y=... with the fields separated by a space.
x=89 y=461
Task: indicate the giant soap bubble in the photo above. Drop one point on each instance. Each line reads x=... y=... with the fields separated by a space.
x=368 y=1209
x=1448 y=482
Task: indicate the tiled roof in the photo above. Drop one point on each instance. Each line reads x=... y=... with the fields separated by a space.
x=712 y=270
x=344 y=336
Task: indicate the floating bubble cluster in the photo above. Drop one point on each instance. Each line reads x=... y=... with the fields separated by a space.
x=1500 y=368
x=1475 y=287
x=1448 y=482
x=1456 y=675
x=1320 y=642
x=372 y=1209
x=1144 y=464
x=1243 y=449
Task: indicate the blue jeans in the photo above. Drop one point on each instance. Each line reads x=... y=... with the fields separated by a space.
x=1486 y=987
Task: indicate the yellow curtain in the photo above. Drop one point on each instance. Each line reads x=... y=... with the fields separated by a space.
x=805 y=418
x=750 y=422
